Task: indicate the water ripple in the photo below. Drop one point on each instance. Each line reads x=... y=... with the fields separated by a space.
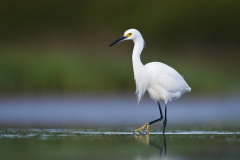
x=11 y=133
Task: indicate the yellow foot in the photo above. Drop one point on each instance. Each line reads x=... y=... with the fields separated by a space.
x=140 y=131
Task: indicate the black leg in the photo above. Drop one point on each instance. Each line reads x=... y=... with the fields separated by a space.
x=146 y=126
x=165 y=145
x=165 y=119
x=161 y=115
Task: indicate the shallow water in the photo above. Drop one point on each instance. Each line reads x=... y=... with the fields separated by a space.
x=198 y=128
x=91 y=144
x=77 y=111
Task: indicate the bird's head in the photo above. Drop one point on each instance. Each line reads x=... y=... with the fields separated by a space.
x=130 y=34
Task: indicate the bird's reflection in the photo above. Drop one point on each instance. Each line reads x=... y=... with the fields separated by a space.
x=159 y=144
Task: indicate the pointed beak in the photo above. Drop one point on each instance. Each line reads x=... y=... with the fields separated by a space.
x=118 y=40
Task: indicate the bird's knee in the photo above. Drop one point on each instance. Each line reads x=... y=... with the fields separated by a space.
x=165 y=122
x=161 y=118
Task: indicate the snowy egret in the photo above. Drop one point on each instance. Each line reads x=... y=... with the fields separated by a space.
x=162 y=82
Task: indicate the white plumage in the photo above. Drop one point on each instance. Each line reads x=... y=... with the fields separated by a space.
x=166 y=84
x=162 y=82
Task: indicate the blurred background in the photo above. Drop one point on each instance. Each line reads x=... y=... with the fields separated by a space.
x=61 y=47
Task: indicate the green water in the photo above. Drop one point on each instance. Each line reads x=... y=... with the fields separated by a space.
x=74 y=144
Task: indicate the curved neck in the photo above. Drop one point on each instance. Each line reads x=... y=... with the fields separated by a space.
x=137 y=50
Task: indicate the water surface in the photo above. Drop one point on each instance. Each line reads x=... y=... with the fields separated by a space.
x=91 y=144
x=77 y=111
x=101 y=127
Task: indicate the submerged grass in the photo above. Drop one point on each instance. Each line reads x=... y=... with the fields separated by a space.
x=53 y=70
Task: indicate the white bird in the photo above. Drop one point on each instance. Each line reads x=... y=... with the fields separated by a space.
x=162 y=82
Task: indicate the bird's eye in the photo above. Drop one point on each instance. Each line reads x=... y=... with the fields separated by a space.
x=128 y=35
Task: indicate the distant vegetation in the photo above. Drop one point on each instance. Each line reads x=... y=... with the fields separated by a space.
x=167 y=22
x=61 y=46
x=78 y=71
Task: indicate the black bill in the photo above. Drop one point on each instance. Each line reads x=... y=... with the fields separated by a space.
x=118 y=40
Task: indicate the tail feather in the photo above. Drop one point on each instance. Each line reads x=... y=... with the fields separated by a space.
x=188 y=89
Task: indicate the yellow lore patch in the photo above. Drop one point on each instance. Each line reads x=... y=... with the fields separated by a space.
x=128 y=35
